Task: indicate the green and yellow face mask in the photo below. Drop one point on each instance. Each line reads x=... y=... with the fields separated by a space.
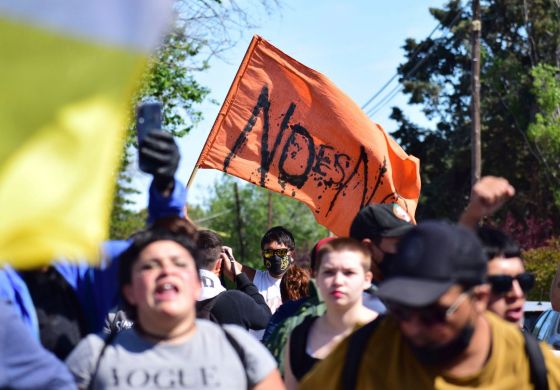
x=276 y=261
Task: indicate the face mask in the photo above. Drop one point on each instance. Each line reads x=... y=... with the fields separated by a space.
x=277 y=265
x=433 y=356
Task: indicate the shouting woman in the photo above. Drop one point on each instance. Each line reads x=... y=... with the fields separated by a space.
x=168 y=347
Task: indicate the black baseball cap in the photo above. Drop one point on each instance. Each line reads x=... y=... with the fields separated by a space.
x=380 y=220
x=430 y=259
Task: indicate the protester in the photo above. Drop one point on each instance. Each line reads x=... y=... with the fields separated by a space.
x=79 y=295
x=277 y=248
x=168 y=346
x=487 y=195
x=342 y=272
x=506 y=274
x=245 y=306
x=438 y=333
x=380 y=227
x=24 y=364
x=292 y=313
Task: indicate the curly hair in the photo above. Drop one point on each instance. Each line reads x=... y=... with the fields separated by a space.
x=295 y=283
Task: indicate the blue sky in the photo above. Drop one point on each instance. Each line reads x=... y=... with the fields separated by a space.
x=357 y=44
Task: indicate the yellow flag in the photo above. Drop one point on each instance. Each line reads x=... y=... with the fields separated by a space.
x=67 y=72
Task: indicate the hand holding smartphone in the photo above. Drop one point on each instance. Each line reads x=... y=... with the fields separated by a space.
x=148 y=118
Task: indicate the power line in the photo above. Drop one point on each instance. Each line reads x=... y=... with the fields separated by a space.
x=416 y=51
x=394 y=92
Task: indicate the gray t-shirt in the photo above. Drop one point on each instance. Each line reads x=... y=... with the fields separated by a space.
x=205 y=361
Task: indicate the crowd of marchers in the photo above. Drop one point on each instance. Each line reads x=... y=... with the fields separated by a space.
x=394 y=305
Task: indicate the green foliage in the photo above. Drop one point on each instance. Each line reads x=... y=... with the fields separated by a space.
x=220 y=215
x=543 y=262
x=170 y=80
x=516 y=36
x=202 y=29
x=127 y=222
x=545 y=129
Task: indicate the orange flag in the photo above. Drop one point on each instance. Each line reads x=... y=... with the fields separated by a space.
x=288 y=128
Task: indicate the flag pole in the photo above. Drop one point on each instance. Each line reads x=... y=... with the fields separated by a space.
x=191 y=178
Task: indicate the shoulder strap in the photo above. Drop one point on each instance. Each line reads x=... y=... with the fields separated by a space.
x=107 y=341
x=298 y=346
x=239 y=350
x=204 y=308
x=537 y=364
x=357 y=343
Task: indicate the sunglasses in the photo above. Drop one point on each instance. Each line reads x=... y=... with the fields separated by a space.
x=268 y=253
x=502 y=284
x=427 y=315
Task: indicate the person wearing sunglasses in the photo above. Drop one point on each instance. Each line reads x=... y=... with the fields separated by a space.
x=277 y=249
x=438 y=333
x=506 y=275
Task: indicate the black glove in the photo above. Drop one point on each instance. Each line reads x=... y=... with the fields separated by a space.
x=159 y=156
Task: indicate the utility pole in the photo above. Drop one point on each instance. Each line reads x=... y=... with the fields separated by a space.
x=475 y=91
x=239 y=222
x=269 y=209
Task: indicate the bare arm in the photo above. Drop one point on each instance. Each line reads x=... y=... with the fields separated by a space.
x=555 y=291
x=272 y=381
x=487 y=196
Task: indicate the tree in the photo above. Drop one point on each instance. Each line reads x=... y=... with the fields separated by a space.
x=203 y=29
x=543 y=262
x=517 y=35
x=220 y=214
x=545 y=130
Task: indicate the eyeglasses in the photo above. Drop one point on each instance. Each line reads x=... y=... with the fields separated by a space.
x=268 y=253
x=428 y=315
x=501 y=284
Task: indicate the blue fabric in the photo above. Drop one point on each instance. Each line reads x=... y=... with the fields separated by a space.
x=160 y=206
x=14 y=290
x=96 y=287
x=24 y=364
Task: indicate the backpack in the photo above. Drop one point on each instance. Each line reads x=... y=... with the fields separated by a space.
x=358 y=341
x=276 y=343
x=204 y=308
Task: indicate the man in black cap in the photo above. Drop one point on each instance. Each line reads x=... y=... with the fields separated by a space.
x=380 y=227
x=438 y=333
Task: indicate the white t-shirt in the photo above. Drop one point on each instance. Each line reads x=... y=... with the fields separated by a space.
x=269 y=288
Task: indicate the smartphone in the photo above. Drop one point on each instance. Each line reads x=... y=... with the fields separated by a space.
x=148 y=117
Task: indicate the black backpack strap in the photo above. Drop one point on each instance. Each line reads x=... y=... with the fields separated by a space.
x=357 y=344
x=204 y=308
x=537 y=364
x=300 y=362
x=239 y=350
x=107 y=341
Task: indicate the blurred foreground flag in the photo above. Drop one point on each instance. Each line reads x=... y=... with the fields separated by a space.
x=67 y=73
x=288 y=128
